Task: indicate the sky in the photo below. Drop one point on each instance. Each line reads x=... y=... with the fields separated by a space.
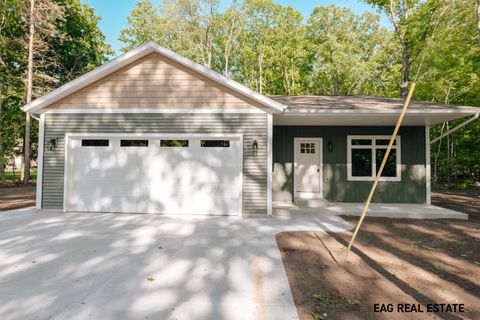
x=114 y=13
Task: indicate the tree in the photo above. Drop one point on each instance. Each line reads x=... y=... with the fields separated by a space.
x=42 y=17
x=231 y=25
x=146 y=23
x=478 y=19
x=351 y=53
x=451 y=75
x=272 y=51
x=66 y=43
x=12 y=31
x=80 y=46
x=185 y=26
x=413 y=21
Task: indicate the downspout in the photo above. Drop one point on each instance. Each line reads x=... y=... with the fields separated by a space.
x=461 y=125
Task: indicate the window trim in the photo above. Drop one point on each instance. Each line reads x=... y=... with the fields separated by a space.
x=373 y=147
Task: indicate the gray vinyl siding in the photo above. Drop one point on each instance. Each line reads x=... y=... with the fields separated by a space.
x=411 y=188
x=251 y=126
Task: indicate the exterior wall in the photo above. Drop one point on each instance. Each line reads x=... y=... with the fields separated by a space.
x=411 y=189
x=251 y=125
x=155 y=82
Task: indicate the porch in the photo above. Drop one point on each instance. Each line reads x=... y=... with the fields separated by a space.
x=387 y=210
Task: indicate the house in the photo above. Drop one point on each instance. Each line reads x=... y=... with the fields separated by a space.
x=152 y=131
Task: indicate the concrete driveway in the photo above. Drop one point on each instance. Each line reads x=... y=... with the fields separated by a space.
x=127 y=266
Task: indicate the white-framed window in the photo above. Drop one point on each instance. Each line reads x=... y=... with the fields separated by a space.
x=365 y=155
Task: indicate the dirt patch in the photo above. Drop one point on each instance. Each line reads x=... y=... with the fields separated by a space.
x=394 y=261
x=17 y=196
x=467 y=201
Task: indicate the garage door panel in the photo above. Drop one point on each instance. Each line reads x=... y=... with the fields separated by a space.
x=171 y=180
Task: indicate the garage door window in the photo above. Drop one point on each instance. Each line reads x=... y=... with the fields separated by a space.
x=215 y=143
x=174 y=143
x=134 y=143
x=95 y=143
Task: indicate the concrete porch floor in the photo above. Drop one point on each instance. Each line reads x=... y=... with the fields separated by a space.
x=387 y=210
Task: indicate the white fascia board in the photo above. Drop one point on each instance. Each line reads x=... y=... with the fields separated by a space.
x=460 y=111
x=136 y=54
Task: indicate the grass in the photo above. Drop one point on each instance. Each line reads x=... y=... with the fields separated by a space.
x=352 y=301
x=416 y=243
x=463 y=243
x=324 y=298
x=10 y=177
x=317 y=316
x=438 y=267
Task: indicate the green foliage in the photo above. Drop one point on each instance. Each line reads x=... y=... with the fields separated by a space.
x=83 y=46
x=68 y=43
x=12 y=125
x=12 y=175
x=353 y=301
x=325 y=299
x=272 y=48
x=351 y=54
x=451 y=74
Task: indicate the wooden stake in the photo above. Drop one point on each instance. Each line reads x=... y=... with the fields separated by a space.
x=384 y=161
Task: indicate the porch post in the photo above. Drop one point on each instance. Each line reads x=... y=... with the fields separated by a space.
x=269 y=162
x=428 y=174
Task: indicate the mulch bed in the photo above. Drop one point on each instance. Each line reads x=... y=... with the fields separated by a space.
x=17 y=196
x=394 y=261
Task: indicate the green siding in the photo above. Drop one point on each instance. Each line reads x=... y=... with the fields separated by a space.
x=411 y=189
x=252 y=126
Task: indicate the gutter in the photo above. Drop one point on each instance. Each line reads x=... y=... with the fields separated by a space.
x=461 y=125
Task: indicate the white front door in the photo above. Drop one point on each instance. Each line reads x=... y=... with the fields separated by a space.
x=308 y=167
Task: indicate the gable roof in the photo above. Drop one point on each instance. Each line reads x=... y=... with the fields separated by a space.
x=135 y=54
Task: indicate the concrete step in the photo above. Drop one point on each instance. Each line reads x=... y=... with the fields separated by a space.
x=311 y=203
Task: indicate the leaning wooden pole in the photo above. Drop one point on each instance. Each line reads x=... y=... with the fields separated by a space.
x=384 y=161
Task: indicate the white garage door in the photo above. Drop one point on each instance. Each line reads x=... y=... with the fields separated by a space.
x=170 y=175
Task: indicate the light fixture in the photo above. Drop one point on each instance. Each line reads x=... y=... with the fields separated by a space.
x=52 y=144
x=330 y=146
x=255 y=147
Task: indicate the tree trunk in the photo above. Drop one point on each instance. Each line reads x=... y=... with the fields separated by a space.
x=405 y=71
x=260 y=70
x=226 y=56
x=478 y=19
x=3 y=179
x=26 y=150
